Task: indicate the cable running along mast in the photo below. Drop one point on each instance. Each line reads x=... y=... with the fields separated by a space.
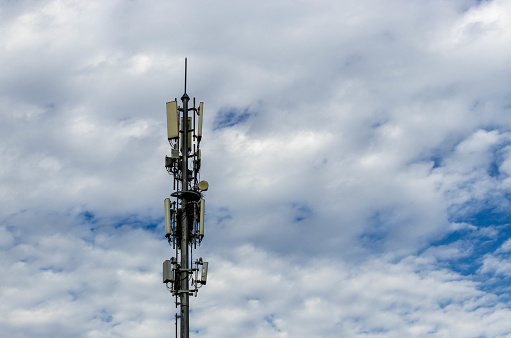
x=184 y=215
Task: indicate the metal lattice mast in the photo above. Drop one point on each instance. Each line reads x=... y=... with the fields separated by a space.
x=184 y=217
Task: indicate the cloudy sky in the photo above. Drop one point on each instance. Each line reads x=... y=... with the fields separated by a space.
x=358 y=155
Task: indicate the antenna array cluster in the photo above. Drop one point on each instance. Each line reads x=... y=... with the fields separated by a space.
x=184 y=214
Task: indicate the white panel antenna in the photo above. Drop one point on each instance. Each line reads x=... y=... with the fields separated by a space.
x=168 y=228
x=201 y=218
x=199 y=131
x=172 y=127
x=204 y=275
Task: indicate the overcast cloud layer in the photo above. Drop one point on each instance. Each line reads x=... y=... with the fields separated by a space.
x=358 y=155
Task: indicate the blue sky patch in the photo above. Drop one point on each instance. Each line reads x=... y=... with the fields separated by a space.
x=221 y=214
x=270 y=320
x=137 y=221
x=301 y=211
x=88 y=217
x=104 y=316
x=230 y=117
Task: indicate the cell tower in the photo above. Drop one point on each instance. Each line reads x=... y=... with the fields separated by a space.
x=184 y=216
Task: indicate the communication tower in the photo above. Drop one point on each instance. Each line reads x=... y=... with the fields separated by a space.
x=184 y=210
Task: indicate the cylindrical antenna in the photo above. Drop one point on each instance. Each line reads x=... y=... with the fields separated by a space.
x=185 y=73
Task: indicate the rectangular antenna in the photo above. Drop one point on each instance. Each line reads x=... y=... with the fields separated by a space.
x=168 y=230
x=201 y=218
x=199 y=132
x=167 y=272
x=204 y=276
x=172 y=127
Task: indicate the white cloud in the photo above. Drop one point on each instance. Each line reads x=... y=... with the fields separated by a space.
x=268 y=296
x=372 y=132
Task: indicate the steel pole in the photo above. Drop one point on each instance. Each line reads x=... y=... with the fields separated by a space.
x=185 y=320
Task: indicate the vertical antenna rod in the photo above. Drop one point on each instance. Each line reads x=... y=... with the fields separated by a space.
x=185 y=72
x=185 y=307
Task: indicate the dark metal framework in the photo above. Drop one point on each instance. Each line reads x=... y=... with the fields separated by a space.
x=184 y=215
